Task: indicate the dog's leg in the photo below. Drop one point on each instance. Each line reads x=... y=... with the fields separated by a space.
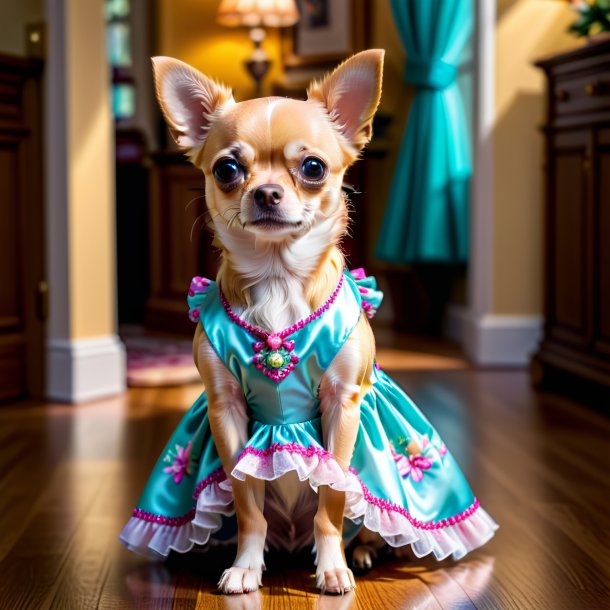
x=341 y=390
x=229 y=425
x=246 y=572
x=332 y=573
x=369 y=544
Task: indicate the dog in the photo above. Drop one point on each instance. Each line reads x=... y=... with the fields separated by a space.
x=274 y=169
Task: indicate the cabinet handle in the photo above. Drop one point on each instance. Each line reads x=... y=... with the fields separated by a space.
x=597 y=88
x=561 y=95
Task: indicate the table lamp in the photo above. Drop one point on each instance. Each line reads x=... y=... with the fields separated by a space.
x=258 y=14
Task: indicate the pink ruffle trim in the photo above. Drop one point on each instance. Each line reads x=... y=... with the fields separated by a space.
x=154 y=536
x=454 y=536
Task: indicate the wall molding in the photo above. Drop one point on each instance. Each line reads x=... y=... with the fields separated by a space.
x=495 y=339
x=80 y=370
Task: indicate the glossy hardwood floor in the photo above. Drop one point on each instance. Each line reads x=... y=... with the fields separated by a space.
x=69 y=477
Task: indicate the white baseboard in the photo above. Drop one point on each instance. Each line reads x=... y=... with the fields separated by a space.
x=79 y=370
x=493 y=339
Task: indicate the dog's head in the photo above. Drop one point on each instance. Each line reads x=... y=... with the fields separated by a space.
x=273 y=166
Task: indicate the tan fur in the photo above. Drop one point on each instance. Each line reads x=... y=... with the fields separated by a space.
x=294 y=265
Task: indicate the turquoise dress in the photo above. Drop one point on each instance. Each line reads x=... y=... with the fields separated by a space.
x=402 y=482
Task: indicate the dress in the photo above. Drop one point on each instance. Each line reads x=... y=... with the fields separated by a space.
x=402 y=481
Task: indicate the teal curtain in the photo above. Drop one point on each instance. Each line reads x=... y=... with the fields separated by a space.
x=426 y=217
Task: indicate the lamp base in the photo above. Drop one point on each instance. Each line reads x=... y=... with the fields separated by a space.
x=257 y=69
x=258 y=63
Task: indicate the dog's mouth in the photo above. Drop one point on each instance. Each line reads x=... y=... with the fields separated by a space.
x=275 y=223
x=272 y=221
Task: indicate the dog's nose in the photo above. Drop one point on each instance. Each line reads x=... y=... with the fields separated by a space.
x=268 y=194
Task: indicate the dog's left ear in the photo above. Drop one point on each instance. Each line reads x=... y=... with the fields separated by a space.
x=189 y=100
x=351 y=95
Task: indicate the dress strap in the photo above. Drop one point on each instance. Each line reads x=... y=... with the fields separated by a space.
x=199 y=289
x=367 y=287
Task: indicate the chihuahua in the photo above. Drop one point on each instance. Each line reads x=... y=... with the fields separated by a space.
x=274 y=171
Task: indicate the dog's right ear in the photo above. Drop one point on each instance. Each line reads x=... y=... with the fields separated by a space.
x=189 y=100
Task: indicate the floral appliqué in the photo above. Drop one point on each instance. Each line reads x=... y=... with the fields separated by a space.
x=411 y=465
x=410 y=460
x=181 y=464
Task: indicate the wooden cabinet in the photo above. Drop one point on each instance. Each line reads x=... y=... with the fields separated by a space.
x=23 y=288
x=577 y=217
x=180 y=245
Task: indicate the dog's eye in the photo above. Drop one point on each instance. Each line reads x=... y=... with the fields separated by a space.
x=313 y=168
x=227 y=171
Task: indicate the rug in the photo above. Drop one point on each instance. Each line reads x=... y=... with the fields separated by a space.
x=157 y=362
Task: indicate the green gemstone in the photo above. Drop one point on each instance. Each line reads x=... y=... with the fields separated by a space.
x=275 y=360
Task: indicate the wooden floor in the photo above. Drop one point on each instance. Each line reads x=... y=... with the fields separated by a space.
x=69 y=477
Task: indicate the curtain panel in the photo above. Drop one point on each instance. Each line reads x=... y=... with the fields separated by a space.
x=426 y=217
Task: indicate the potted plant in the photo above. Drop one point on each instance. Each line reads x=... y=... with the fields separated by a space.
x=593 y=19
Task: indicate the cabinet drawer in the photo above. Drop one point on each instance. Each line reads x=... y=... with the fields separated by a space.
x=582 y=94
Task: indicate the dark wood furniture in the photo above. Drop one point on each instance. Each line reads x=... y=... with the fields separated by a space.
x=577 y=251
x=22 y=281
x=180 y=245
x=132 y=231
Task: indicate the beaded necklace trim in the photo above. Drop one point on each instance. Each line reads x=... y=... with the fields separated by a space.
x=274 y=353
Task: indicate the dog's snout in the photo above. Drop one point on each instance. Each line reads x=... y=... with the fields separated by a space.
x=268 y=195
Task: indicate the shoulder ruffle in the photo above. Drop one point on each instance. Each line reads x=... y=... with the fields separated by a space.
x=200 y=287
x=367 y=286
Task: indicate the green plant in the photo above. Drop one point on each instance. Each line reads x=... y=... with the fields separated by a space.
x=593 y=17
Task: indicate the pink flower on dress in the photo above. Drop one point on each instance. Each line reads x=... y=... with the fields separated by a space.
x=412 y=465
x=442 y=450
x=181 y=464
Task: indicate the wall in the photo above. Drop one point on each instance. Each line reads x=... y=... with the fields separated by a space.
x=187 y=30
x=85 y=357
x=526 y=30
x=91 y=176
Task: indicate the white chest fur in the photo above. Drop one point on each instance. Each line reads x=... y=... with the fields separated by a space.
x=276 y=273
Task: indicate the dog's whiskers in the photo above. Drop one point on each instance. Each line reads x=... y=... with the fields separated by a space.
x=195 y=223
x=188 y=205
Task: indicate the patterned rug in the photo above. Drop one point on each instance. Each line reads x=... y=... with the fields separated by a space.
x=157 y=362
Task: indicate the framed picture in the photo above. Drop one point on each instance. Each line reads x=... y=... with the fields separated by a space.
x=327 y=32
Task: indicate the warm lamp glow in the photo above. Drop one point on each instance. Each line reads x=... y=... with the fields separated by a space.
x=257 y=13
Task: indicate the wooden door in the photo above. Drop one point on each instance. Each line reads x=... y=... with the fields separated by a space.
x=22 y=286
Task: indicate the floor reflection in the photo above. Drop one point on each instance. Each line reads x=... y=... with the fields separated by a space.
x=337 y=602
x=247 y=601
x=151 y=585
x=395 y=584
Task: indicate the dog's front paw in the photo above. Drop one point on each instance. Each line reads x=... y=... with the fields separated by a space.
x=240 y=580
x=338 y=580
x=362 y=558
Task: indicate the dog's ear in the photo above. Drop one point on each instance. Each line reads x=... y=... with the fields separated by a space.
x=189 y=100
x=351 y=95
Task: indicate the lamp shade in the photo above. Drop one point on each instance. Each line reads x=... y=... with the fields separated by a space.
x=256 y=13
